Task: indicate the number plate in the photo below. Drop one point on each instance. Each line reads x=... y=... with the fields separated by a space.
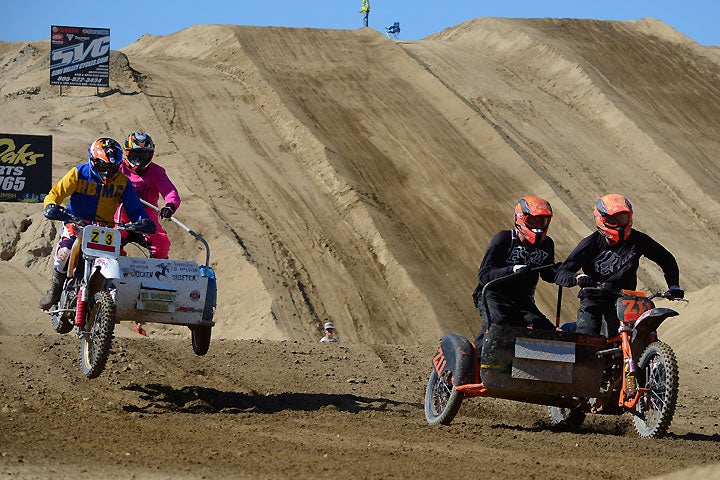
x=101 y=242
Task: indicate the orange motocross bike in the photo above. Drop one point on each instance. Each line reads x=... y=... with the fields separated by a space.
x=573 y=374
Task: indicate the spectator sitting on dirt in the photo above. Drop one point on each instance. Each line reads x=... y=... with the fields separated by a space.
x=611 y=256
x=330 y=334
x=95 y=189
x=518 y=251
x=151 y=182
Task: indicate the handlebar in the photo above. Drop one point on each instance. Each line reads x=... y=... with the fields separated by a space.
x=499 y=280
x=607 y=289
x=197 y=236
x=57 y=212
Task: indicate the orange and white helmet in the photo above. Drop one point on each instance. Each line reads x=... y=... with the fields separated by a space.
x=105 y=156
x=532 y=219
x=613 y=217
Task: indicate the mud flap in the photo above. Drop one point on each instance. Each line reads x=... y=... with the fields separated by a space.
x=456 y=354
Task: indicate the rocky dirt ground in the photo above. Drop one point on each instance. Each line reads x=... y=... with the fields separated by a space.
x=269 y=409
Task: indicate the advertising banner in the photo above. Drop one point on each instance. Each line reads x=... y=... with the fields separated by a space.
x=25 y=167
x=79 y=56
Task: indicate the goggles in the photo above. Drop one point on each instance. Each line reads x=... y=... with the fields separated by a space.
x=537 y=221
x=617 y=220
x=139 y=157
x=103 y=167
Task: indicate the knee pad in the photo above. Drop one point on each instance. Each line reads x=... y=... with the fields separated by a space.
x=60 y=260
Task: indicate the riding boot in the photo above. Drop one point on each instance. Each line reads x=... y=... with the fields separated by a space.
x=52 y=297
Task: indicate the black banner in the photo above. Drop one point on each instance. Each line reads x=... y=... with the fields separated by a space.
x=79 y=56
x=25 y=167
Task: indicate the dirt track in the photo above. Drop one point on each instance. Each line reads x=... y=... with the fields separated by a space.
x=261 y=409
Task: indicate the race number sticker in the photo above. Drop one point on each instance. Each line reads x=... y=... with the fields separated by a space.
x=101 y=242
x=101 y=239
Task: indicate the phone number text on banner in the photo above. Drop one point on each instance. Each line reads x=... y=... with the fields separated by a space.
x=79 y=56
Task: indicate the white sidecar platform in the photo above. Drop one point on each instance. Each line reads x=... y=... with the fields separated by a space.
x=161 y=291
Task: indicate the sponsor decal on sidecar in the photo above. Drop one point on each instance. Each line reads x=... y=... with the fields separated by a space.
x=161 y=291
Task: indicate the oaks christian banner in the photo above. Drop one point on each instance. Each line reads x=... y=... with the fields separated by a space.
x=79 y=56
x=25 y=167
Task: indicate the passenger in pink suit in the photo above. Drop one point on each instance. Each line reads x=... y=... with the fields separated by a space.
x=151 y=182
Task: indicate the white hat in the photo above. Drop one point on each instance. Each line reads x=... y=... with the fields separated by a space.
x=329 y=325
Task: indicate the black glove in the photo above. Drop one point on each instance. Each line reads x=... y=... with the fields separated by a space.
x=144 y=226
x=585 y=281
x=675 y=292
x=167 y=211
x=135 y=237
x=521 y=270
x=53 y=212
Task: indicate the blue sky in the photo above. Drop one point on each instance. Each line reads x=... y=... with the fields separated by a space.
x=31 y=20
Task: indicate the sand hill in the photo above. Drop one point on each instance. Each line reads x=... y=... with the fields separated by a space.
x=339 y=175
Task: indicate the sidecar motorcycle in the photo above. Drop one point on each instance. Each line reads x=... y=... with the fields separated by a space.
x=573 y=374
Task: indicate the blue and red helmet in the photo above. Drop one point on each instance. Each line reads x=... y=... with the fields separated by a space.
x=532 y=219
x=613 y=217
x=105 y=156
x=139 y=151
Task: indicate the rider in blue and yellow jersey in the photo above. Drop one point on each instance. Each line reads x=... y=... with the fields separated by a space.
x=95 y=189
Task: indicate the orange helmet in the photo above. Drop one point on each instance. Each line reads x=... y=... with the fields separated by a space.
x=532 y=219
x=105 y=156
x=613 y=217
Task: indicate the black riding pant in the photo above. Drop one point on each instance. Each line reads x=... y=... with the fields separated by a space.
x=592 y=312
x=504 y=310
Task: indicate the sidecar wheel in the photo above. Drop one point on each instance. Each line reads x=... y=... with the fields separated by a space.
x=658 y=372
x=96 y=338
x=442 y=400
x=567 y=418
x=201 y=339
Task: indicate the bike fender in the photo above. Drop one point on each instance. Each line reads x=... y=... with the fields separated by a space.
x=650 y=321
x=457 y=354
x=107 y=267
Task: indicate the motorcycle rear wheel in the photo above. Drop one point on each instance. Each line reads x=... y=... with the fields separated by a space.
x=96 y=337
x=442 y=400
x=658 y=372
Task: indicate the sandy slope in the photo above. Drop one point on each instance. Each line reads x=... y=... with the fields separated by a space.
x=338 y=175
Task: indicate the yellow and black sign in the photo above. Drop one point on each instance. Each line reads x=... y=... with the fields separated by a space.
x=25 y=167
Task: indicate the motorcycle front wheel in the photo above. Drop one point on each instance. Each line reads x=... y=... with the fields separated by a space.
x=658 y=372
x=97 y=334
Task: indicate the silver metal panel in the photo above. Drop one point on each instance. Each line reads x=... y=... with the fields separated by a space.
x=543 y=371
x=548 y=350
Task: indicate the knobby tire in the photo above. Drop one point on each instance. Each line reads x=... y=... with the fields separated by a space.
x=658 y=372
x=96 y=341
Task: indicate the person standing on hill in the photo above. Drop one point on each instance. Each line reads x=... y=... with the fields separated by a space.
x=514 y=254
x=365 y=10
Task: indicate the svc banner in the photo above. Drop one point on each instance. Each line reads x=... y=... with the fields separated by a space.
x=25 y=167
x=79 y=56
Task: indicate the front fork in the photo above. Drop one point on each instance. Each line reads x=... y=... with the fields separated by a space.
x=629 y=393
x=81 y=307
